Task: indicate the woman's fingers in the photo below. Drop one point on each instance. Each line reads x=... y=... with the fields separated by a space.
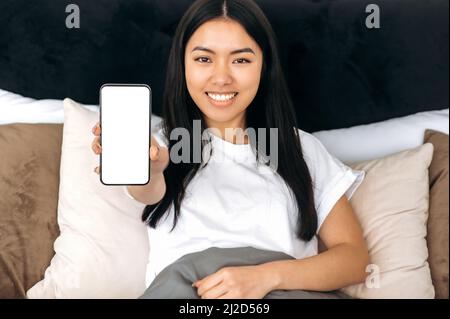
x=96 y=147
x=159 y=156
x=96 y=129
x=154 y=152
x=155 y=149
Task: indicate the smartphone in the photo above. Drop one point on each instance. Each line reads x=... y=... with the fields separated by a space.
x=125 y=120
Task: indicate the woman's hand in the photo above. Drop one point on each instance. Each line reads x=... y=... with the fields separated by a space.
x=240 y=282
x=159 y=156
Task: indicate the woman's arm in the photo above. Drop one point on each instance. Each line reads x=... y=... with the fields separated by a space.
x=343 y=264
x=155 y=189
x=151 y=193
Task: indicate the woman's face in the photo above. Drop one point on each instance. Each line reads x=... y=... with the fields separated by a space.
x=223 y=69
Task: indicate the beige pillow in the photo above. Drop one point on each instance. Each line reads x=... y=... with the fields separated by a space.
x=102 y=249
x=29 y=179
x=437 y=236
x=392 y=206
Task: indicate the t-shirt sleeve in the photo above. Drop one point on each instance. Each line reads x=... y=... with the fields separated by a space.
x=331 y=178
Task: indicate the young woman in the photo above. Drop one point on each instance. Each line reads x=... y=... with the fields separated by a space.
x=224 y=71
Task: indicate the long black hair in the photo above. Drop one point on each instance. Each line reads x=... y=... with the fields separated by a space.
x=271 y=108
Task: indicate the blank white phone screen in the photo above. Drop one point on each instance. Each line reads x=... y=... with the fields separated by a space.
x=125 y=134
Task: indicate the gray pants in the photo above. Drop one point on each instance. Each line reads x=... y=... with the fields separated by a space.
x=174 y=281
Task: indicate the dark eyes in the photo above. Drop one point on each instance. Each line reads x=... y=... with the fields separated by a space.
x=202 y=60
x=206 y=60
x=242 y=60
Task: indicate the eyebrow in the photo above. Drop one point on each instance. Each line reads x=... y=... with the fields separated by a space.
x=232 y=52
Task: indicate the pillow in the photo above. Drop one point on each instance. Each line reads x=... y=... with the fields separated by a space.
x=29 y=178
x=102 y=250
x=376 y=140
x=15 y=108
x=437 y=236
x=392 y=207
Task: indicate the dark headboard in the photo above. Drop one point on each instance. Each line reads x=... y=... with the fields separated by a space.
x=340 y=73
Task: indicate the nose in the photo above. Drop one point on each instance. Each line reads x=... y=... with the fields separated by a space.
x=221 y=75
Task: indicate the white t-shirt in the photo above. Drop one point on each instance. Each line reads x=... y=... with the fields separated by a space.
x=236 y=202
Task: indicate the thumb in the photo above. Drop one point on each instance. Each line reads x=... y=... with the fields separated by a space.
x=154 y=152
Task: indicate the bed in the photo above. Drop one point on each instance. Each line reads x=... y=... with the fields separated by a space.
x=367 y=94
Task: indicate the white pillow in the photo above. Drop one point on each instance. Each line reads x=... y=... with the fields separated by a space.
x=102 y=250
x=15 y=108
x=371 y=141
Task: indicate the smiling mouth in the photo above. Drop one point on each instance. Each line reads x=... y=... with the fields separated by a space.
x=221 y=97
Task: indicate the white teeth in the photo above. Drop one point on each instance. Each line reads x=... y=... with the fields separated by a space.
x=221 y=97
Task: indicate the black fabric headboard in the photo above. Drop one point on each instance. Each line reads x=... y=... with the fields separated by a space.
x=340 y=73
